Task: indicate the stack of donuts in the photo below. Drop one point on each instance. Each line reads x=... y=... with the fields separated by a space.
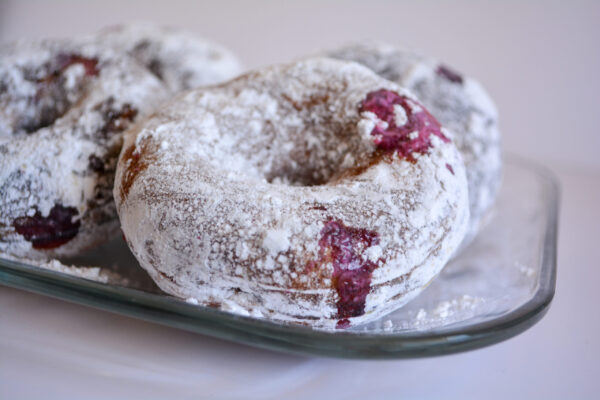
x=327 y=191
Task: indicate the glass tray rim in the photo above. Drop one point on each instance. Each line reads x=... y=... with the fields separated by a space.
x=265 y=334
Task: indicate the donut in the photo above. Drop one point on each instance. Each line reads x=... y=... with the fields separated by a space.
x=63 y=108
x=458 y=102
x=181 y=60
x=315 y=193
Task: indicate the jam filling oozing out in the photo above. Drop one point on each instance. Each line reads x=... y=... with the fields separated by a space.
x=49 y=232
x=415 y=132
x=449 y=74
x=344 y=247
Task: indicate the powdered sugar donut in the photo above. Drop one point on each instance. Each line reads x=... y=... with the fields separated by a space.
x=63 y=108
x=315 y=192
x=458 y=102
x=181 y=60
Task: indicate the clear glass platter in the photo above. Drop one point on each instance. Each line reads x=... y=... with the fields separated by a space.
x=496 y=288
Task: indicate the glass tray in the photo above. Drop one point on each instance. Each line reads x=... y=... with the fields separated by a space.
x=499 y=286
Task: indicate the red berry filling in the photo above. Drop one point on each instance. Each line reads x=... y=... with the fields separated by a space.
x=449 y=74
x=49 y=232
x=345 y=246
x=414 y=135
x=343 y=323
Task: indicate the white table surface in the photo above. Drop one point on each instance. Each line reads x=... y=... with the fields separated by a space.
x=540 y=60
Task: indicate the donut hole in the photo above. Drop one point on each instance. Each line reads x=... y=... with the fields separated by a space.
x=312 y=140
x=306 y=166
x=310 y=154
x=289 y=135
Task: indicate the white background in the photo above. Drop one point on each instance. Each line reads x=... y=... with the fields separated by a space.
x=540 y=60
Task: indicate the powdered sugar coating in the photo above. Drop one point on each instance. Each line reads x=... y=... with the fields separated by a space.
x=60 y=166
x=458 y=102
x=229 y=195
x=181 y=60
x=92 y=273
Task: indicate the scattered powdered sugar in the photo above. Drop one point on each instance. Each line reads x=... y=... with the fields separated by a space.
x=445 y=312
x=388 y=325
x=525 y=269
x=441 y=314
x=232 y=211
x=449 y=308
x=92 y=273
